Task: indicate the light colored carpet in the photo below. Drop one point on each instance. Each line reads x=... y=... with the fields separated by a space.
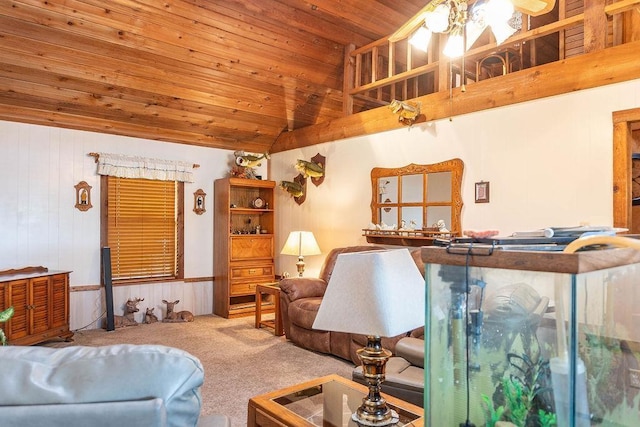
x=239 y=361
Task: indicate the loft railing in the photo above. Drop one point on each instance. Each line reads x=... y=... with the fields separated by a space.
x=381 y=71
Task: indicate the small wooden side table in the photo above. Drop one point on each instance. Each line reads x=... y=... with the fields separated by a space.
x=276 y=324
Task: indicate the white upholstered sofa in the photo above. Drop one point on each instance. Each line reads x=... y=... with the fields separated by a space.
x=118 y=385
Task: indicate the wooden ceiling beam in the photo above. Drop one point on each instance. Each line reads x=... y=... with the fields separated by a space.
x=612 y=65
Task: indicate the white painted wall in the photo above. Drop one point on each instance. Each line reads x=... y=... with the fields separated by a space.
x=549 y=163
x=39 y=224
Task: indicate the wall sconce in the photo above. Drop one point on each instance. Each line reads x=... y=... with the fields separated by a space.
x=83 y=196
x=198 y=201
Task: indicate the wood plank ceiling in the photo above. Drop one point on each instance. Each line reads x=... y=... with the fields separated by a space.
x=230 y=74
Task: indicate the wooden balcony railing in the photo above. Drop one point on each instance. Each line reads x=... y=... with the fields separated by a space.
x=381 y=71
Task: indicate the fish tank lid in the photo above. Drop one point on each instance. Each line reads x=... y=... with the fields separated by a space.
x=533 y=260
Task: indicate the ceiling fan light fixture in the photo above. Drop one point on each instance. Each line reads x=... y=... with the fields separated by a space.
x=502 y=31
x=473 y=30
x=438 y=20
x=454 y=48
x=420 y=38
x=498 y=11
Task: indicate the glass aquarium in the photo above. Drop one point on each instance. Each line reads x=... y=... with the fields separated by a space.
x=532 y=338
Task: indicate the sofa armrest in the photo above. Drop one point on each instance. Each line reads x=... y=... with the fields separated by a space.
x=122 y=372
x=302 y=287
x=144 y=412
x=412 y=350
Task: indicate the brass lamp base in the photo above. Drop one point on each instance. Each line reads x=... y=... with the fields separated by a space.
x=374 y=410
x=300 y=265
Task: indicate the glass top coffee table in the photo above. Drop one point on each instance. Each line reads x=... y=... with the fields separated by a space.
x=325 y=402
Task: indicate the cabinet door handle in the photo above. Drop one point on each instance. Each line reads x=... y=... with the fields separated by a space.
x=252 y=271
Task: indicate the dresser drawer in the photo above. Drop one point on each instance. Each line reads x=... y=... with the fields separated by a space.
x=252 y=272
x=251 y=247
x=243 y=288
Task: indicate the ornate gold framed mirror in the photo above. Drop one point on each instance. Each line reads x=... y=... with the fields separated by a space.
x=414 y=204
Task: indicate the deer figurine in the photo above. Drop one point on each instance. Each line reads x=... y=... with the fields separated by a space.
x=176 y=316
x=149 y=317
x=130 y=309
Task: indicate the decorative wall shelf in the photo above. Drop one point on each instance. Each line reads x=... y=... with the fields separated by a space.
x=404 y=237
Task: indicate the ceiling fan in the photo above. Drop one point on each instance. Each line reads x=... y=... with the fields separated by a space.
x=528 y=7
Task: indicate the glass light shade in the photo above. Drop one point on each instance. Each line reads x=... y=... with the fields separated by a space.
x=301 y=243
x=438 y=20
x=473 y=30
x=502 y=31
x=498 y=11
x=377 y=293
x=421 y=38
x=455 y=46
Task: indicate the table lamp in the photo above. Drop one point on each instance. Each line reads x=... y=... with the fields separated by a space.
x=301 y=243
x=377 y=294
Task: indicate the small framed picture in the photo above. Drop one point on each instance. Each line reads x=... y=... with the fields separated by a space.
x=482 y=192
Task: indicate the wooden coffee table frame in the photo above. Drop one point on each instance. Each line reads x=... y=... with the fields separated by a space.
x=263 y=411
x=276 y=324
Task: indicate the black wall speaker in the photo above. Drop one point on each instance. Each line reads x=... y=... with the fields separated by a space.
x=108 y=286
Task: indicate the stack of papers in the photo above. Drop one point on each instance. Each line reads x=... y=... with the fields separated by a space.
x=569 y=231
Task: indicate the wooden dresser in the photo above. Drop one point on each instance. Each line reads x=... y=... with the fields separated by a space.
x=40 y=299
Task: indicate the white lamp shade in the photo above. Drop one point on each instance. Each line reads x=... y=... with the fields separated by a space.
x=301 y=243
x=378 y=293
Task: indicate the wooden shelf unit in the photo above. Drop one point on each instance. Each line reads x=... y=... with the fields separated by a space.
x=41 y=306
x=243 y=258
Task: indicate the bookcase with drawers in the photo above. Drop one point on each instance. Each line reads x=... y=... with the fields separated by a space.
x=243 y=244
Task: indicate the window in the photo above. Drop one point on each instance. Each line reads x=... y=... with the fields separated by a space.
x=142 y=223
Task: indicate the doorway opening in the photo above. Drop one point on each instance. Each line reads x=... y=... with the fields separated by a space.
x=626 y=177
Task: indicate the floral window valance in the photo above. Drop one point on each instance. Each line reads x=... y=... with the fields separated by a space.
x=123 y=166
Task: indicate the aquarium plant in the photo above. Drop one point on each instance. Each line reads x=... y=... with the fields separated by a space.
x=523 y=395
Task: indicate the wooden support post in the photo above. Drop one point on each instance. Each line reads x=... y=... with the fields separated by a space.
x=595 y=26
x=349 y=80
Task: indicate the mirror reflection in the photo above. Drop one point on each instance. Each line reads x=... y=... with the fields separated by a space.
x=412 y=188
x=388 y=190
x=439 y=187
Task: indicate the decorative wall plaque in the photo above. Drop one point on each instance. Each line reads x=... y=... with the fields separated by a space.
x=198 y=201
x=83 y=196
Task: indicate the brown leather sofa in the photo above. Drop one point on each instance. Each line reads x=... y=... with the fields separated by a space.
x=300 y=299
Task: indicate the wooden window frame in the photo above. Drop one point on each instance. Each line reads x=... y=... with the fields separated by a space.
x=104 y=223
